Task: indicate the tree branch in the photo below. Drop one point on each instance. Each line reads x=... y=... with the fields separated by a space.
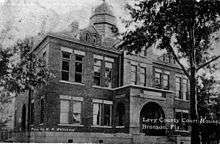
x=208 y=62
x=181 y=65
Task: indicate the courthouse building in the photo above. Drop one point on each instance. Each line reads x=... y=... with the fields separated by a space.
x=101 y=94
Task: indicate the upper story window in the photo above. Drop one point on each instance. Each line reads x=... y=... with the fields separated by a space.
x=157 y=79
x=165 y=81
x=102 y=112
x=97 y=71
x=133 y=74
x=103 y=71
x=161 y=79
x=185 y=89
x=182 y=91
x=178 y=87
x=167 y=58
x=70 y=110
x=108 y=74
x=65 y=66
x=143 y=52
x=44 y=57
x=143 y=76
x=78 y=68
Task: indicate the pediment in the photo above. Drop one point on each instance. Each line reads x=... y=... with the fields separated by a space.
x=90 y=35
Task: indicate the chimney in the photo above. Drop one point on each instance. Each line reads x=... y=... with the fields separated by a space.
x=74 y=26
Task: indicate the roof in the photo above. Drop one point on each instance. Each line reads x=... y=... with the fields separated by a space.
x=68 y=36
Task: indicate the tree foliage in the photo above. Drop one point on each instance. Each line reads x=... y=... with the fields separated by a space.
x=5 y=55
x=207 y=106
x=29 y=72
x=5 y=98
x=184 y=28
x=174 y=24
x=21 y=70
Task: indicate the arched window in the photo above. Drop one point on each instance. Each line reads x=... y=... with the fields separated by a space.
x=87 y=37
x=120 y=114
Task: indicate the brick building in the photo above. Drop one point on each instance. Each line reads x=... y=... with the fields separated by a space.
x=102 y=94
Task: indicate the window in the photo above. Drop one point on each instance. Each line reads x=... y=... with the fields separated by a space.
x=64 y=111
x=167 y=58
x=107 y=114
x=120 y=114
x=178 y=88
x=102 y=113
x=133 y=52
x=65 y=65
x=182 y=116
x=32 y=111
x=108 y=74
x=44 y=57
x=165 y=81
x=78 y=68
x=70 y=111
x=133 y=74
x=161 y=79
x=185 y=89
x=182 y=91
x=143 y=76
x=42 y=105
x=97 y=114
x=97 y=71
x=143 y=52
x=157 y=79
x=77 y=111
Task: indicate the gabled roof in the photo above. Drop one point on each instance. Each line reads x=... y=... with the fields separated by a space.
x=91 y=28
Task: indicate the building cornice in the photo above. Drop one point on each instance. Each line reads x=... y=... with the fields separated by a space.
x=73 y=41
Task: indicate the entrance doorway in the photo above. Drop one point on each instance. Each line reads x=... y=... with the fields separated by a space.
x=151 y=120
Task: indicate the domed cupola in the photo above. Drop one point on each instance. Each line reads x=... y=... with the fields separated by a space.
x=103 y=19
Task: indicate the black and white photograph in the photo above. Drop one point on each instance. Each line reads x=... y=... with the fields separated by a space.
x=110 y=71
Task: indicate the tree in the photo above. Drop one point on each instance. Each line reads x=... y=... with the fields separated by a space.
x=184 y=28
x=29 y=73
x=5 y=108
x=207 y=102
x=5 y=98
x=22 y=71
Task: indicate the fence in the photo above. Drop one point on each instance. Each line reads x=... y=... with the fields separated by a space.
x=5 y=135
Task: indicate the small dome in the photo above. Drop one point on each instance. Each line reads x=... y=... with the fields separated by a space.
x=104 y=8
x=103 y=19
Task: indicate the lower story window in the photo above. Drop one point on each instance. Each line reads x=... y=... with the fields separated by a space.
x=182 y=116
x=76 y=112
x=97 y=114
x=102 y=112
x=120 y=114
x=64 y=111
x=70 y=111
x=107 y=114
x=42 y=105
x=32 y=112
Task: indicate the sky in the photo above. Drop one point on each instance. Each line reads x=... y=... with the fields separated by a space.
x=26 y=18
